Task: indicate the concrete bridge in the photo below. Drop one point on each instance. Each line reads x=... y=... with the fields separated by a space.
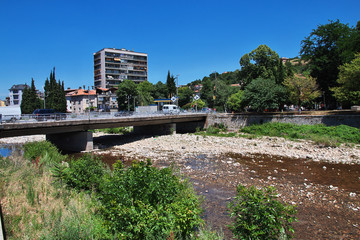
x=73 y=134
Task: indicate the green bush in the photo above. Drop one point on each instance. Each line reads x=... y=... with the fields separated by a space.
x=44 y=150
x=258 y=214
x=143 y=202
x=84 y=173
x=212 y=130
x=119 y=130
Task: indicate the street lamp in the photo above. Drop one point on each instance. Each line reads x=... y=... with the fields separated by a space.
x=177 y=91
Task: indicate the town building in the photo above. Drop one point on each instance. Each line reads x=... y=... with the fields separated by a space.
x=81 y=100
x=15 y=94
x=112 y=66
x=106 y=99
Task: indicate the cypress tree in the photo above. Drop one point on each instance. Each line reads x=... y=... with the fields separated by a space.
x=54 y=93
x=170 y=84
x=30 y=100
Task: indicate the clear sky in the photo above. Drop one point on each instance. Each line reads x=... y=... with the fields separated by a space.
x=191 y=38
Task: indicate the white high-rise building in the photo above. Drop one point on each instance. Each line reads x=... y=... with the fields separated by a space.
x=112 y=66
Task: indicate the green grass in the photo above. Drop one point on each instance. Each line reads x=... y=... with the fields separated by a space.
x=321 y=134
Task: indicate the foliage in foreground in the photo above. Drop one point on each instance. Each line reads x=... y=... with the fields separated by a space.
x=139 y=202
x=34 y=208
x=143 y=202
x=258 y=214
x=321 y=134
x=43 y=152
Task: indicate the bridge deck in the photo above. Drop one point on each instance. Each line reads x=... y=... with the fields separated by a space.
x=74 y=125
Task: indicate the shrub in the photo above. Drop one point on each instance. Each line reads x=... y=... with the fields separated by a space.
x=119 y=130
x=84 y=173
x=44 y=150
x=212 y=130
x=259 y=215
x=144 y=202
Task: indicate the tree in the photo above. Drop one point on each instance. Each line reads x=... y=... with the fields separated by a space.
x=159 y=91
x=126 y=94
x=144 y=90
x=30 y=100
x=302 y=89
x=349 y=80
x=55 y=94
x=235 y=101
x=185 y=95
x=263 y=94
x=326 y=48
x=207 y=92
x=170 y=84
x=222 y=91
x=260 y=63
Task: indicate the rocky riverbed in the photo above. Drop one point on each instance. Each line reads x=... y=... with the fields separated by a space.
x=323 y=182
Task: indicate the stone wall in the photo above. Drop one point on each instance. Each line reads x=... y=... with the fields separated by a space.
x=236 y=121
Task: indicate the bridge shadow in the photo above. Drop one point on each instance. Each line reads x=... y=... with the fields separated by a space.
x=111 y=140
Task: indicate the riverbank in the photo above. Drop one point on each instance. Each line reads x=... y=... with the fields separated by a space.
x=185 y=144
x=190 y=144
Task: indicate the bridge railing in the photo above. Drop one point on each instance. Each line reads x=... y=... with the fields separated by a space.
x=28 y=118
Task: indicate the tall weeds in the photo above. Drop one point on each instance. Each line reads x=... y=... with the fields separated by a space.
x=34 y=208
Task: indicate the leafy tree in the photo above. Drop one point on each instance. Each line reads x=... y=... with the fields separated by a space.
x=302 y=89
x=207 y=92
x=260 y=63
x=263 y=94
x=199 y=104
x=222 y=91
x=30 y=100
x=144 y=90
x=185 y=95
x=349 y=81
x=326 y=48
x=125 y=95
x=170 y=84
x=160 y=91
x=235 y=101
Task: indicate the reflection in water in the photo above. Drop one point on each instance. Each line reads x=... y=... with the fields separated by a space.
x=7 y=150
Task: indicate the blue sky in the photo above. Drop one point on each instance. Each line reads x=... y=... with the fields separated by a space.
x=190 y=38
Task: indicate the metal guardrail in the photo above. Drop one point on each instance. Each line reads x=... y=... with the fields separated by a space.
x=30 y=118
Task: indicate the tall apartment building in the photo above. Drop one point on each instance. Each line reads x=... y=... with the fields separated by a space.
x=15 y=95
x=112 y=66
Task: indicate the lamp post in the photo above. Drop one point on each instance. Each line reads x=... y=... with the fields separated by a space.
x=44 y=96
x=177 y=90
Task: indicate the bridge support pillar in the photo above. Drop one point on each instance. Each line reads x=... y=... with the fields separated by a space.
x=163 y=129
x=72 y=141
